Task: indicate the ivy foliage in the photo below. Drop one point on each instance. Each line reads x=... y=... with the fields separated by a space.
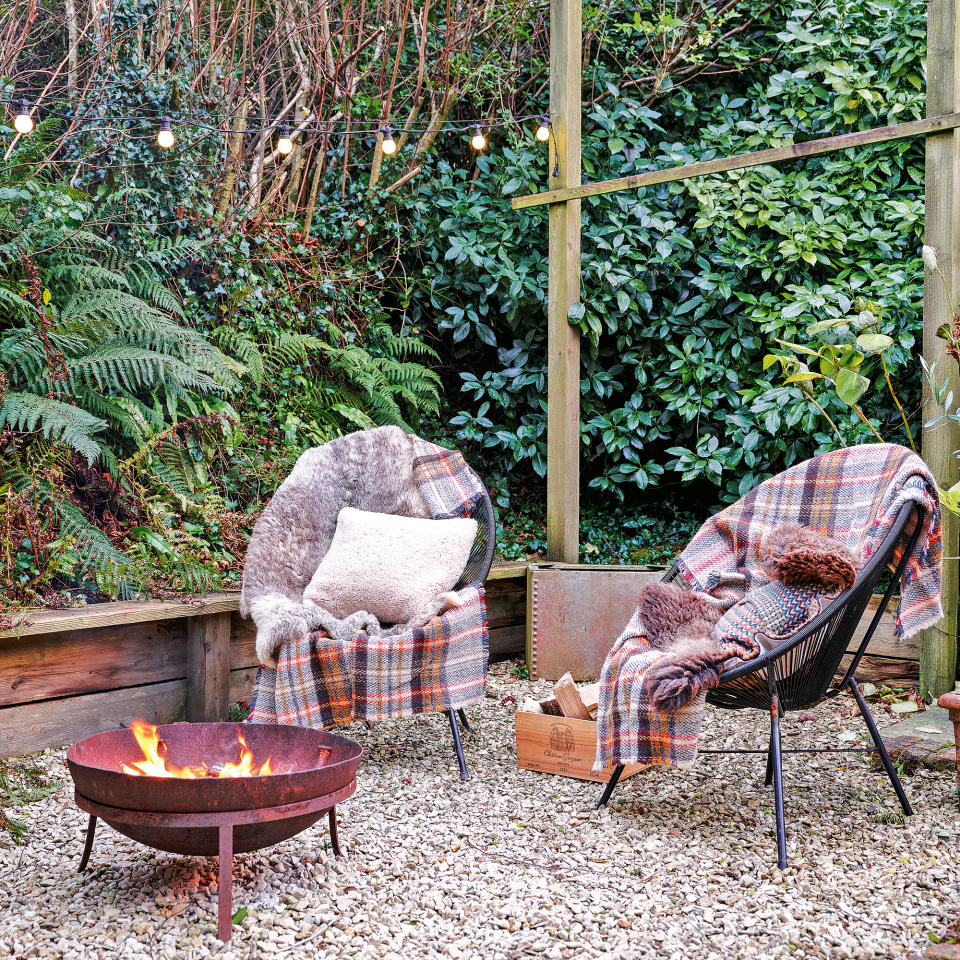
x=687 y=286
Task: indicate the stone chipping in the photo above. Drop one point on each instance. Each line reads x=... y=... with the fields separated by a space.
x=515 y=864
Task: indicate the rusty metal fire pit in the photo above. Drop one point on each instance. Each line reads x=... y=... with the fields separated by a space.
x=312 y=771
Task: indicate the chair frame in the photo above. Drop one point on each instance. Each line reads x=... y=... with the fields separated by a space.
x=777 y=681
x=478 y=568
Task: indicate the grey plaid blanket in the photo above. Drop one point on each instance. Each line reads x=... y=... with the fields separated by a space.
x=853 y=495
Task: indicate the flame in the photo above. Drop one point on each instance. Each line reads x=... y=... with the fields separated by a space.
x=155 y=763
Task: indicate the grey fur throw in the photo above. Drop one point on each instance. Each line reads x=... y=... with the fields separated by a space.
x=369 y=470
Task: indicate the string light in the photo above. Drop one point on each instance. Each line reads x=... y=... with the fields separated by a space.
x=22 y=121
x=165 y=137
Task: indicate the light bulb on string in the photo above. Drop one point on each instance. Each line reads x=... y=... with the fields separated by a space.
x=388 y=145
x=479 y=141
x=543 y=131
x=284 y=141
x=165 y=137
x=22 y=121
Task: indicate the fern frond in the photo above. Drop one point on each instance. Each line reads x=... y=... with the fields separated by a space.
x=56 y=420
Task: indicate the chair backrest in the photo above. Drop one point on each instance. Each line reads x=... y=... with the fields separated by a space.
x=481 y=554
x=803 y=668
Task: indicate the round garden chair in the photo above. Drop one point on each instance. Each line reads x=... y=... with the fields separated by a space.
x=801 y=672
x=479 y=561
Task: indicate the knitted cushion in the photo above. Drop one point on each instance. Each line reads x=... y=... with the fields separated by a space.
x=390 y=566
x=768 y=615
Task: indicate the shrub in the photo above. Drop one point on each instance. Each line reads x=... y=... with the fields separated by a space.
x=687 y=286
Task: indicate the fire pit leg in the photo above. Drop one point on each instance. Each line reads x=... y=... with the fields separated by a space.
x=334 y=838
x=88 y=844
x=225 y=884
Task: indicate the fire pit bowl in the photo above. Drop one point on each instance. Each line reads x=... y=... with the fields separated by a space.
x=311 y=771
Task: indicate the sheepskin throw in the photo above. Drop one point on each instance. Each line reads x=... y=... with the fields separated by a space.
x=851 y=495
x=392 y=567
x=366 y=672
x=370 y=470
x=383 y=470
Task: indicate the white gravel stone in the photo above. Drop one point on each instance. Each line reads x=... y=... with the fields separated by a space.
x=516 y=864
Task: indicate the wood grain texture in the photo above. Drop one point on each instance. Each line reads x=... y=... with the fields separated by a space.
x=30 y=623
x=885 y=642
x=241 y=684
x=507 y=570
x=30 y=727
x=508 y=643
x=880 y=670
x=35 y=622
x=942 y=232
x=506 y=602
x=948 y=121
x=567 y=695
x=208 y=667
x=563 y=339
x=243 y=643
x=560 y=745
x=89 y=661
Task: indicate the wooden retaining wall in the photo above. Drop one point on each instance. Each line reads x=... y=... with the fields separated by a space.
x=67 y=674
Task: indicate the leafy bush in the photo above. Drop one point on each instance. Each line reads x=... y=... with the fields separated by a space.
x=687 y=286
x=96 y=358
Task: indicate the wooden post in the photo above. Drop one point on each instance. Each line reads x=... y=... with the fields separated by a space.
x=208 y=667
x=938 y=652
x=563 y=340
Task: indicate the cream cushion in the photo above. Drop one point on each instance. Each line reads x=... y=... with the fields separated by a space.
x=393 y=567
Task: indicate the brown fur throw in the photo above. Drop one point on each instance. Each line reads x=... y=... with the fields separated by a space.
x=797 y=555
x=679 y=621
x=670 y=613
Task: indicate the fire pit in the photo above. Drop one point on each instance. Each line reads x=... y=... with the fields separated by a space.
x=212 y=788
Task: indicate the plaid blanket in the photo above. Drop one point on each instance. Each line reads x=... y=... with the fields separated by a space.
x=441 y=665
x=853 y=495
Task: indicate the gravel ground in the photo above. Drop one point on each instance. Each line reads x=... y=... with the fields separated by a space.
x=518 y=864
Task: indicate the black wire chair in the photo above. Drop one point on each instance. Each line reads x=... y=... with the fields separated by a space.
x=475 y=574
x=799 y=673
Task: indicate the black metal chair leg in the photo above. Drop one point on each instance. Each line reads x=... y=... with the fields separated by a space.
x=775 y=753
x=881 y=747
x=461 y=713
x=88 y=844
x=768 y=776
x=457 y=746
x=611 y=785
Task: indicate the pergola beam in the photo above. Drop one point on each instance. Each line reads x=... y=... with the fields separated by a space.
x=945 y=123
x=938 y=646
x=563 y=339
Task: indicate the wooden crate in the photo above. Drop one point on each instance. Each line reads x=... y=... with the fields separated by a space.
x=560 y=745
